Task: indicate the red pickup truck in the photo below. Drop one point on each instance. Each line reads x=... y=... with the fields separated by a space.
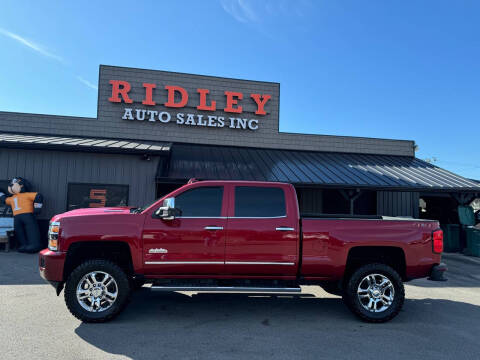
x=238 y=236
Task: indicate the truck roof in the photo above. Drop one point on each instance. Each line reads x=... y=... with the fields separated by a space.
x=247 y=182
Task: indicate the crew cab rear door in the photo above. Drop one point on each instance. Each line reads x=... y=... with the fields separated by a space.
x=262 y=233
x=192 y=243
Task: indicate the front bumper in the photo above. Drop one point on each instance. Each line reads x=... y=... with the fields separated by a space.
x=438 y=272
x=51 y=265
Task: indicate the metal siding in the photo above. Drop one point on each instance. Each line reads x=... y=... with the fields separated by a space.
x=25 y=141
x=415 y=204
x=310 y=200
x=397 y=203
x=50 y=172
x=313 y=168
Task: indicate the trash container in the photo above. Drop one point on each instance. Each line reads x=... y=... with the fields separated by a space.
x=473 y=241
x=451 y=237
x=466 y=215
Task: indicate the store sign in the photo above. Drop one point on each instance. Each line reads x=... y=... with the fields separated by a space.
x=179 y=103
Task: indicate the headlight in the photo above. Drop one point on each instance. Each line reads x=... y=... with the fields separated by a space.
x=53 y=231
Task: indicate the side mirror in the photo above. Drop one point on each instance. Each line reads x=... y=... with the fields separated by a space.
x=168 y=210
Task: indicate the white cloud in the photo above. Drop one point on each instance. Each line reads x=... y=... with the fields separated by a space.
x=42 y=51
x=249 y=11
x=240 y=10
x=30 y=44
x=87 y=83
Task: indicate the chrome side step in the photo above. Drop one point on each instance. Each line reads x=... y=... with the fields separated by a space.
x=227 y=289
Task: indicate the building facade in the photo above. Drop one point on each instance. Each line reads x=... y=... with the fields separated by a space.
x=154 y=130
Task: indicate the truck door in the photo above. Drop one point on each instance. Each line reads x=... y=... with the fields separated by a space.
x=190 y=244
x=262 y=235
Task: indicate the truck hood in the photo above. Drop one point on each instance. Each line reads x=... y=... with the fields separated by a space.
x=105 y=211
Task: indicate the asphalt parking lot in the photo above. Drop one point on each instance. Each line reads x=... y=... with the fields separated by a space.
x=439 y=321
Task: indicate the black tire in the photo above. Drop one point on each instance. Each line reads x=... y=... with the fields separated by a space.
x=122 y=284
x=353 y=302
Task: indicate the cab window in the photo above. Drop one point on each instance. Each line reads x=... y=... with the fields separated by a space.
x=200 y=202
x=256 y=201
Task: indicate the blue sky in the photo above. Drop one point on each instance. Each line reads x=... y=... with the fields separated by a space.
x=388 y=69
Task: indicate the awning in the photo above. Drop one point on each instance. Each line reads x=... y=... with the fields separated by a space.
x=63 y=143
x=310 y=169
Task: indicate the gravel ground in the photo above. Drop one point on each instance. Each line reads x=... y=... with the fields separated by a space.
x=438 y=321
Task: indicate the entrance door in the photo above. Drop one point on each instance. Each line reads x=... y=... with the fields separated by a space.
x=262 y=236
x=193 y=243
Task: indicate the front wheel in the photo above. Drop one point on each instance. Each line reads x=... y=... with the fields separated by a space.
x=97 y=291
x=375 y=293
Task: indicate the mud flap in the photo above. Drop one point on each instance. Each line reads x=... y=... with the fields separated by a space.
x=438 y=272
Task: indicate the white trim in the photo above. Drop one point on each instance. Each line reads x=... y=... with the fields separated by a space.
x=183 y=262
x=257 y=263
x=201 y=217
x=258 y=217
x=217 y=262
x=230 y=217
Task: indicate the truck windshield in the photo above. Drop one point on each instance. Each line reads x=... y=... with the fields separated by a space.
x=138 y=210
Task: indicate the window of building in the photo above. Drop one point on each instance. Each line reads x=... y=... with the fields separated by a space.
x=253 y=201
x=200 y=202
x=96 y=195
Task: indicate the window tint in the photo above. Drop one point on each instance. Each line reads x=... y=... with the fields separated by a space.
x=200 y=202
x=259 y=201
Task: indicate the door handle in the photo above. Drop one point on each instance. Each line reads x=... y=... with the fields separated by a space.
x=213 y=227
x=284 y=229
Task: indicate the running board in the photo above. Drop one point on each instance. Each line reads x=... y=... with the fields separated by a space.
x=227 y=289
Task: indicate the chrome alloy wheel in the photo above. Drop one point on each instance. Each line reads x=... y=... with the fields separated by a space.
x=376 y=292
x=97 y=291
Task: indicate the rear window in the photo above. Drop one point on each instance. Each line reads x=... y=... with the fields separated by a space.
x=200 y=202
x=251 y=201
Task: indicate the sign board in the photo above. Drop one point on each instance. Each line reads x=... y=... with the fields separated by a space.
x=166 y=99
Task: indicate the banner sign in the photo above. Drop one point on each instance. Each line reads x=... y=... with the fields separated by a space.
x=177 y=97
x=186 y=100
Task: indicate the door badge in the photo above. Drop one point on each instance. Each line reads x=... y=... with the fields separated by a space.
x=158 y=251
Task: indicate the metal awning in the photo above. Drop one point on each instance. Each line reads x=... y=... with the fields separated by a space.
x=310 y=169
x=63 y=143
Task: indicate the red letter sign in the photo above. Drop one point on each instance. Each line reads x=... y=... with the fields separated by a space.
x=203 y=101
x=260 y=103
x=148 y=94
x=116 y=90
x=232 y=101
x=171 y=96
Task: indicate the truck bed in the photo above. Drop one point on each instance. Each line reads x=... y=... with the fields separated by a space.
x=328 y=240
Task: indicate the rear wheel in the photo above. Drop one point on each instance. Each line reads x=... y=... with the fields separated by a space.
x=375 y=293
x=97 y=291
